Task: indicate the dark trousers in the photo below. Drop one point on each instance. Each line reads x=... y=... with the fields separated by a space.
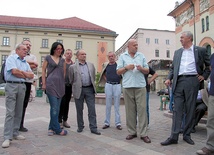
x=88 y=95
x=185 y=95
x=200 y=110
x=26 y=99
x=64 y=106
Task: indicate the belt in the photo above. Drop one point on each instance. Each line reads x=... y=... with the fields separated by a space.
x=87 y=86
x=18 y=82
x=186 y=76
x=113 y=82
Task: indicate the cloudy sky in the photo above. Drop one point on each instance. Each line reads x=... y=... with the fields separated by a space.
x=122 y=16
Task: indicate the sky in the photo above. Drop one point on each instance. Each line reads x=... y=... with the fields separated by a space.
x=122 y=16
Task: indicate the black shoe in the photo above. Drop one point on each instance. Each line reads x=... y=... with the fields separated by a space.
x=105 y=126
x=79 y=130
x=169 y=141
x=96 y=132
x=189 y=141
x=181 y=131
x=23 y=129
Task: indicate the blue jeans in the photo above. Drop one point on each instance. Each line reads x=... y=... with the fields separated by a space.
x=112 y=92
x=54 y=113
x=147 y=105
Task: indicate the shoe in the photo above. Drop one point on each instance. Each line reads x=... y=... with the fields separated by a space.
x=119 y=127
x=23 y=129
x=205 y=151
x=79 y=130
x=51 y=132
x=65 y=124
x=105 y=126
x=6 y=143
x=169 y=141
x=19 y=137
x=130 y=137
x=61 y=126
x=189 y=141
x=193 y=130
x=96 y=132
x=146 y=139
x=63 y=133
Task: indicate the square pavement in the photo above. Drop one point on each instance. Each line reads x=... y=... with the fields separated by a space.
x=111 y=142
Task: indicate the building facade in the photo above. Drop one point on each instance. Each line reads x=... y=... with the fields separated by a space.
x=74 y=33
x=196 y=16
x=158 y=46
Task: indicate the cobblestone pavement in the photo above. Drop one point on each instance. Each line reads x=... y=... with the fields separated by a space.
x=111 y=142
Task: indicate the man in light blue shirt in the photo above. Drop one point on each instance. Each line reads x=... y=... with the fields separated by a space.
x=17 y=70
x=132 y=65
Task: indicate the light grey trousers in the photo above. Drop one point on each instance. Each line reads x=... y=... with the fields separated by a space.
x=14 y=98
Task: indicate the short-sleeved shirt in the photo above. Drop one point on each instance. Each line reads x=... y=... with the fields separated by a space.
x=55 y=82
x=132 y=78
x=14 y=62
x=151 y=72
x=30 y=57
x=211 y=92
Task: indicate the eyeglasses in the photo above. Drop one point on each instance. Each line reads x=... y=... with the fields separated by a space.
x=28 y=44
x=59 y=49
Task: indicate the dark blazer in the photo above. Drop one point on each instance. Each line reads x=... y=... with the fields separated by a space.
x=202 y=62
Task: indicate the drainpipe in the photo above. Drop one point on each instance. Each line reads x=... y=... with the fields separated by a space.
x=194 y=21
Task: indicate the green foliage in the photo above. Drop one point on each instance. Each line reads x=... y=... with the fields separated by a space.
x=2 y=93
x=98 y=88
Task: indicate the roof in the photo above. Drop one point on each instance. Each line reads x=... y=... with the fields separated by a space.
x=73 y=23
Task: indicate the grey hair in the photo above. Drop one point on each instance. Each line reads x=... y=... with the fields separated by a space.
x=188 y=34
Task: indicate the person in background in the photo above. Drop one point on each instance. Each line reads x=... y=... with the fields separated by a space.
x=112 y=90
x=190 y=67
x=54 y=85
x=17 y=70
x=64 y=107
x=148 y=82
x=32 y=61
x=209 y=147
x=82 y=79
x=201 y=105
x=132 y=65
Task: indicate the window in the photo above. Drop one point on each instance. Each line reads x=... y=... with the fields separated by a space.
x=148 y=40
x=167 y=53
x=156 y=53
x=78 y=45
x=6 y=41
x=42 y=59
x=44 y=43
x=202 y=24
x=60 y=41
x=167 y=41
x=3 y=58
x=207 y=23
x=156 y=41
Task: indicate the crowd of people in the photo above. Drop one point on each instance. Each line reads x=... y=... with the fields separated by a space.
x=61 y=78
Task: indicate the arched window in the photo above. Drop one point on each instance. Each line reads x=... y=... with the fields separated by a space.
x=202 y=24
x=207 y=23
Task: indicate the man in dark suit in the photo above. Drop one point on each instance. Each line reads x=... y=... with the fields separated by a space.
x=82 y=77
x=190 y=67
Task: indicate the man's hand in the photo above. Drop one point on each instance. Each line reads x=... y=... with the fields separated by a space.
x=200 y=78
x=167 y=82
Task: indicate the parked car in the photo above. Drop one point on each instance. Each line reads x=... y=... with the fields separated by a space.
x=163 y=92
